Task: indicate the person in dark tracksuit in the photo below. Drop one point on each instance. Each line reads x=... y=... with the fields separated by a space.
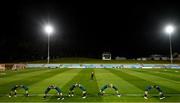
x=92 y=75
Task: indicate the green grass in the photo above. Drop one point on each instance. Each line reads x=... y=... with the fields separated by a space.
x=130 y=82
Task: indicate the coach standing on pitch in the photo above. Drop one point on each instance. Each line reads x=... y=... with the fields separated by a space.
x=92 y=75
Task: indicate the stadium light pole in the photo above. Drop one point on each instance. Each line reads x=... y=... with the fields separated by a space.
x=169 y=29
x=48 y=28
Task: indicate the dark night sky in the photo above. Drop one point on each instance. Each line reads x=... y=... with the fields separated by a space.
x=86 y=29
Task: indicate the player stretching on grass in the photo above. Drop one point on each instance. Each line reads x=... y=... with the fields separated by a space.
x=101 y=92
x=71 y=90
x=14 y=90
x=151 y=87
x=59 y=93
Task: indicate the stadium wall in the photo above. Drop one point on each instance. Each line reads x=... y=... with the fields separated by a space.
x=146 y=66
x=4 y=67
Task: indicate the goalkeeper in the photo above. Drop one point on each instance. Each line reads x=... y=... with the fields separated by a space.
x=155 y=87
x=14 y=90
x=71 y=90
x=59 y=92
x=101 y=92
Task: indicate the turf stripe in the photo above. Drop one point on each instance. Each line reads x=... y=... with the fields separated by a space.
x=20 y=76
x=105 y=76
x=91 y=86
x=134 y=81
x=42 y=82
x=174 y=77
x=140 y=83
x=167 y=84
x=107 y=94
x=65 y=79
x=28 y=80
x=59 y=79
x=172 y=71
x=11 y=73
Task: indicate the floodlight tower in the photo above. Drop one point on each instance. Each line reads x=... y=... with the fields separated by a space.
x=169 y=29
x=48 y=28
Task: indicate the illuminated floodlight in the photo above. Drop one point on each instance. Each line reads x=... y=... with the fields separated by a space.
x=169 y=29
x=48 y=29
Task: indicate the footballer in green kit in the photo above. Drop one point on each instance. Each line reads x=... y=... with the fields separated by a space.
x=102 y=90
x=71 y=90
x=13 y=91
x=59 y=92
x=148 y=88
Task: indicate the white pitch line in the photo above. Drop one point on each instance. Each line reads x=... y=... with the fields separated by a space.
x=173 y=94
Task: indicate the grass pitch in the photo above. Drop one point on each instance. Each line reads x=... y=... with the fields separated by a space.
x=130 y=82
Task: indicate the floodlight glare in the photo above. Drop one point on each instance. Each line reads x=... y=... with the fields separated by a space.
x=48 y=29
x=169 y=29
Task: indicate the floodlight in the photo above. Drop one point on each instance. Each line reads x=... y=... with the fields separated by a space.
x=49 y=29
x=169 y=29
